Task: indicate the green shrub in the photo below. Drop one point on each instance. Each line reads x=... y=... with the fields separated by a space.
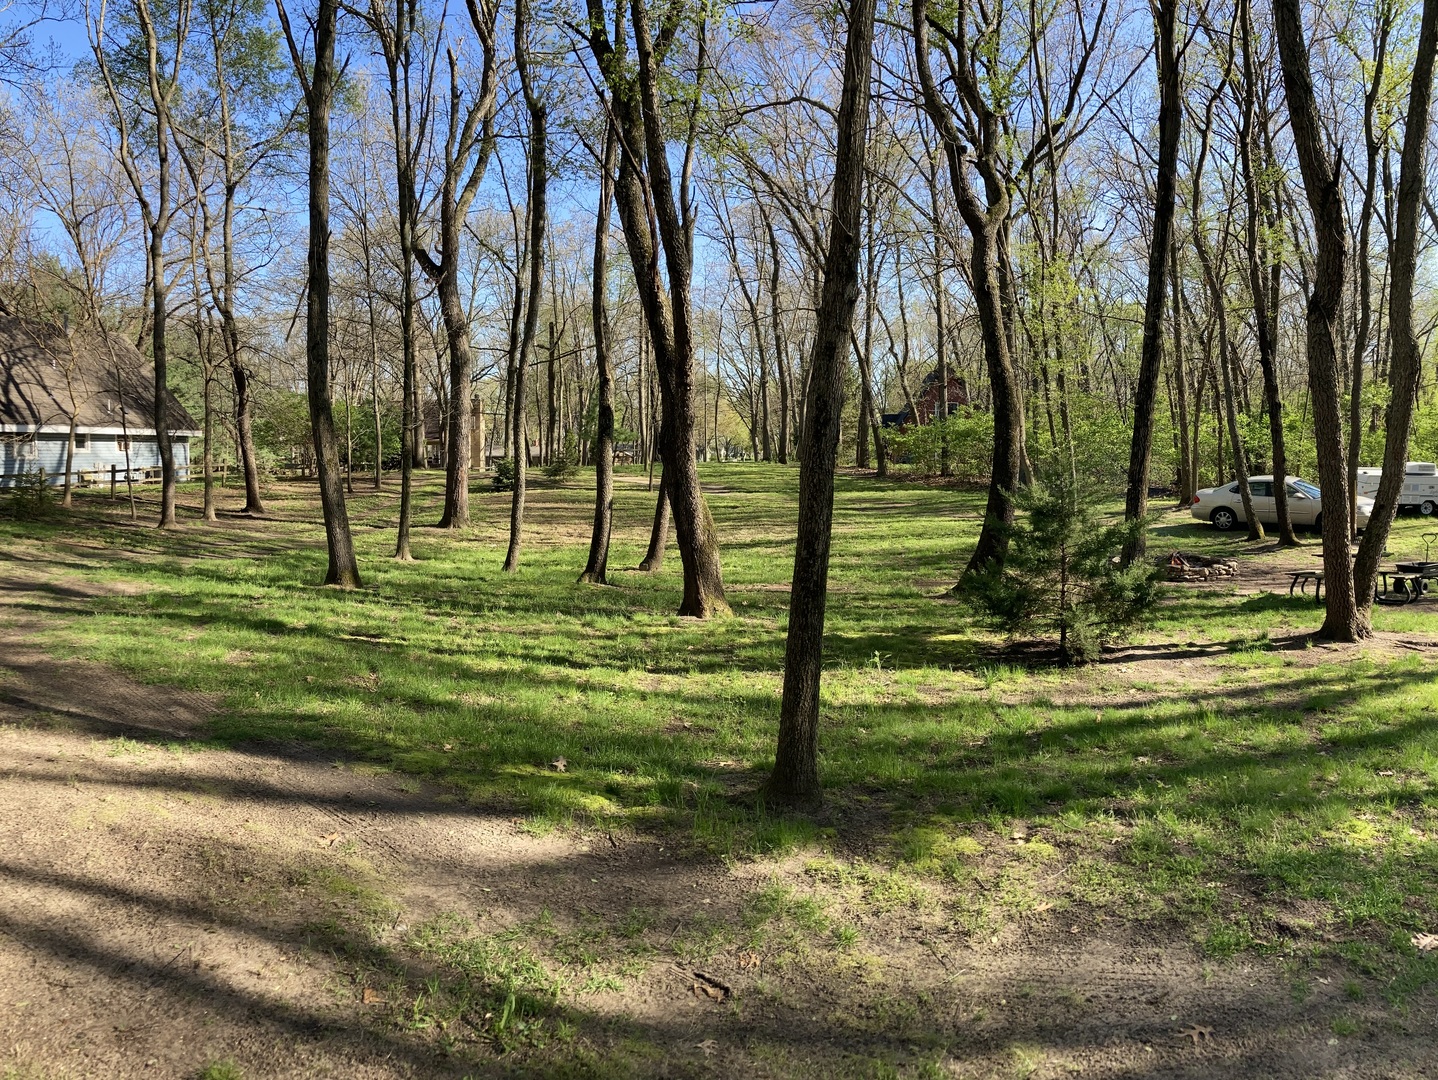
x=1062 y=574
x=970 y=438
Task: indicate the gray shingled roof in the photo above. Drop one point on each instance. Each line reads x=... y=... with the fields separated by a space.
x=107 y=372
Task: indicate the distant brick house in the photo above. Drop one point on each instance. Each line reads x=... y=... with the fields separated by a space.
x=46 y=374
x=926 y=404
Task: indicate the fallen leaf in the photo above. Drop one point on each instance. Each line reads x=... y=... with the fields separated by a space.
x=1385 y=772
x=330 y=839
x=749 y=960
x=559 y=764
x=1197 y=1034
x=372 y=997
x=447 y=747
x=708 y=1046
x=1425 y=942
x=712 y=993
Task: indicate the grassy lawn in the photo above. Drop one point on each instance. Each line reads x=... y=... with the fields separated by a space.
x=1221 y=779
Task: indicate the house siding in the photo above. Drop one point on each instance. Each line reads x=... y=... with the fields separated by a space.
x=47 y=451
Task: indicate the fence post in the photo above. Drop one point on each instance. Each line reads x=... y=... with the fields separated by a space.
x=112 y=481
x=42 y=476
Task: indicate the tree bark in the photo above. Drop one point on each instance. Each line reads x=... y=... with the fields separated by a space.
x=795 y=779
x=1344 y=619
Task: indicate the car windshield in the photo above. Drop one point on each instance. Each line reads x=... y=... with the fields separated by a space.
x=1307 y=488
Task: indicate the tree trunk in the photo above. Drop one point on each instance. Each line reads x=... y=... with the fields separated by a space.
x=781 y=359
x=1170 y=121
x=245 y=435
x=1406 y=357
x=595 y=569
x=1187 y=475
x=658 y=530
x=461 y=372
x=795 y=779
x=1344 y=619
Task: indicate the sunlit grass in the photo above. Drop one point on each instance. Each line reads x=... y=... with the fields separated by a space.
x=1256 y=781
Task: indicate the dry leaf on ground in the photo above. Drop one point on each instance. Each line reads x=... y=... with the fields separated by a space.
x=1197 y=1033
x=372 y=997
x=1425 y=942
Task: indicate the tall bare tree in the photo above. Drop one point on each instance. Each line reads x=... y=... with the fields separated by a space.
x=161 y=75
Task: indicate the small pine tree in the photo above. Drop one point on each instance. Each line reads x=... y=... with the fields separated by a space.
x=504 y=473
x=31 y=497
x=566 y=462
x=1062 y=573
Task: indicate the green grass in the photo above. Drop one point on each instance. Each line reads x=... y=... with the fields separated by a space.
x=1241 y=786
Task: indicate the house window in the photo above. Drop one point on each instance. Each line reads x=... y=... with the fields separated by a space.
x=122 y=444
x=82 y=442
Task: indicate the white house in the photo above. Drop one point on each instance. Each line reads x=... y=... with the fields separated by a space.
x=49 y=375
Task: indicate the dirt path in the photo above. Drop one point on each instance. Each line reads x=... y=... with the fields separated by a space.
x=167 y=904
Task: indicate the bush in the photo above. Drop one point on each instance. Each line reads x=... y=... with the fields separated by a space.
x=32 y=496
x=1062 y=573
x=504 y=474
x=970 y=438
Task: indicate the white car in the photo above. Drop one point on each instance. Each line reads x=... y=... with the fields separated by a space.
x=1224 y=505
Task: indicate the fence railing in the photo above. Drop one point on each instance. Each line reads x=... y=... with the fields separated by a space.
x=114 y=475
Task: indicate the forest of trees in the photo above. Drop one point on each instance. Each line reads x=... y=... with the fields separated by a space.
x=1163 y=245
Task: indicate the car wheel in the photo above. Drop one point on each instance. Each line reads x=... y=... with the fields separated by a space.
x=1428 y=507
x=1223 y=519
x=1318 y=524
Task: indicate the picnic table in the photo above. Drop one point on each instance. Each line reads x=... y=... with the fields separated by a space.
x=1300 y=581
x=1406 y=582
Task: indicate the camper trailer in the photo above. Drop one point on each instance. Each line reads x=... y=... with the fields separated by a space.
x=1420 y=486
